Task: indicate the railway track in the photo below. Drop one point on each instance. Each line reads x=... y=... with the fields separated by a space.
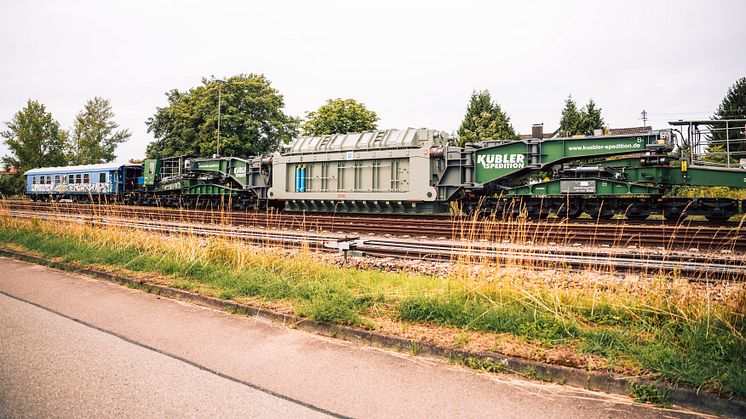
x=687 y=265
x=702 y=236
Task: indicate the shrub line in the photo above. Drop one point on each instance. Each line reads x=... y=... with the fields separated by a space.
x=592 y=380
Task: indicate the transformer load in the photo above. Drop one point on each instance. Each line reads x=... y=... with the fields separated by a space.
x=379 y=171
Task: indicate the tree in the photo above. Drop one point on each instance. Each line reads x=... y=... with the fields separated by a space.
x=733 y=106
x=339 y=116
x=583 y=122
x=252 y=120
x=94 y=138
x=571 y=119
x=485 y=121
x=590 y=118
x=34 y=138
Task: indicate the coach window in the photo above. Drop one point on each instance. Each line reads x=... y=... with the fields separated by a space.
x=49 y=180
x=56 y=179
x=102 y=178
x=86 y=178
x=33 y=180
x=77 y=178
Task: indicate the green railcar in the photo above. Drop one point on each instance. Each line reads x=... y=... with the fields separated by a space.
x=206 y=182
x=422 y=171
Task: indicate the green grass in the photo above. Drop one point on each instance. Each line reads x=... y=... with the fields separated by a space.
x=665 y=331
x=704 y=353
x=649 y=393
x=488 y=365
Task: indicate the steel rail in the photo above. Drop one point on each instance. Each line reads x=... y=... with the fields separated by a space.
x=695 y=267
x=664 y=236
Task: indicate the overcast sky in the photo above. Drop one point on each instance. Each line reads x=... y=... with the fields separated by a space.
x=414 y=63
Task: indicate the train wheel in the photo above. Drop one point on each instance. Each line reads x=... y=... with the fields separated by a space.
x=674 y=214
x=573 y=211
x=599 y=214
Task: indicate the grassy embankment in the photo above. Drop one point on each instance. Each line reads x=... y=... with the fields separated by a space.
x=662 y=328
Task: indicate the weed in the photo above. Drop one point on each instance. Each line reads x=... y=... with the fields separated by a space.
x=649 y=393
x=184 y=285
x=461 y=339
x=332 y=309
x=335 y=331
x=533 y=373
x=486 y=364
x=414 y=348
x=456 y=359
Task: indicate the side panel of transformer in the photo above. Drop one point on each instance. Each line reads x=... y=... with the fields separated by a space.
x=380 y=171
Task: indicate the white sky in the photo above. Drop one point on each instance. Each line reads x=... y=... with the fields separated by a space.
x=414 y=63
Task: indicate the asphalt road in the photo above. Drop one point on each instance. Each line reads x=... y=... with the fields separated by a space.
x=72 y=346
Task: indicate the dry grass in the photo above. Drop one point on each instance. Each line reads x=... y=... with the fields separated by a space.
x=661 y=326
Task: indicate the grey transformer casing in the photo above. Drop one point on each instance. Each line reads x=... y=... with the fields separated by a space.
x=379 y=171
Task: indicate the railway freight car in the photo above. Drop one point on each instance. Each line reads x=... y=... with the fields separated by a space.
x=422 y=171
x=206 y=182
x=600 y=175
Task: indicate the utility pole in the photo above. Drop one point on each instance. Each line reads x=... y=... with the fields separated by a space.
x=644 y=118
x=219 y=99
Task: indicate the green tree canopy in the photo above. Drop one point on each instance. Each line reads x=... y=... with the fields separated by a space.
x=94 y=136
x=591 y=118
x=339 y=116
x=733 y=106
x=34 y=139
x=485 y=121
x=580 y=122
x=252 y=120
x=571 y=119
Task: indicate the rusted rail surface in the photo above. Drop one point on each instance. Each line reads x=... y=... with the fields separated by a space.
x=702 y=236
x=707 y=267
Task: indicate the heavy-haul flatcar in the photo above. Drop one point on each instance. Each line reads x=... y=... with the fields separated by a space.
x=422 y=171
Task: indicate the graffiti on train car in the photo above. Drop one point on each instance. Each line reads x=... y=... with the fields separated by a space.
x=74 y=187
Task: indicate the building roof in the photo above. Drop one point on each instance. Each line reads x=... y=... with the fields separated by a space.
x=628 y=130
x=609 y=131
x=545 y=135
x=81 y=168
